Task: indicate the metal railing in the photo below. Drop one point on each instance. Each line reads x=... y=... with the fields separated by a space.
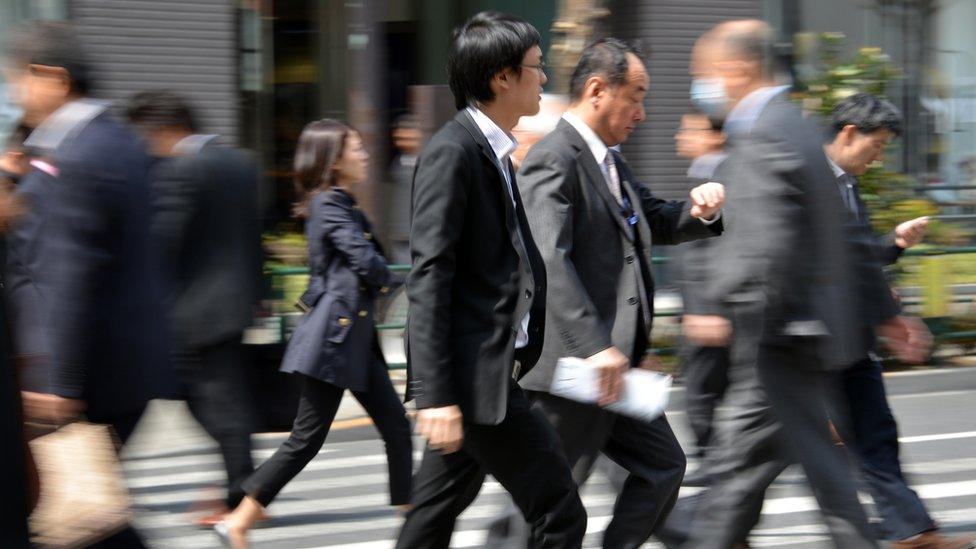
x=935 y=300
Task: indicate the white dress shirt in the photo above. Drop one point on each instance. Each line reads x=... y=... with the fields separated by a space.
x=503 y=145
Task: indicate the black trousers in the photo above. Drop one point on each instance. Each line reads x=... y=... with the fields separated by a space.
x=524 y=455
x=219 y=397
x=871 y=432
x=649 y=452
x=316 y=411
x=705 y=374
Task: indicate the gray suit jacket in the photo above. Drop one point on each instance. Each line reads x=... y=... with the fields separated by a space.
x=591 y=254
x=789 y=252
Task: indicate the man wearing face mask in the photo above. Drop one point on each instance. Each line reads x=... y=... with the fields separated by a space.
x=795 y=316
x=594 y=224
x=860 y=127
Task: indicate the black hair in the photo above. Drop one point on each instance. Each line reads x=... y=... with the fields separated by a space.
x=50 y=44
x=487 y=44
x=161 y=109
x=715 y=124
x=606 y=57
x=865 y=112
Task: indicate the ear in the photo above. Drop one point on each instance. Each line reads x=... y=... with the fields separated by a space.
x=595 y=88
x=847 y=133
x=502 y=80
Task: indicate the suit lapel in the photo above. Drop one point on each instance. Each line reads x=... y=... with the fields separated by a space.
x=590 y=171
x=498 y=180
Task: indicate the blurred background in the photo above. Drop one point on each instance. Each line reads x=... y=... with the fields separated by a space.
x=258 y=70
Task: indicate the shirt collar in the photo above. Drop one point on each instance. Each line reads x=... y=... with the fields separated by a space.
x=65 y=122
x=741 y=118
x=192 y=144
x=838 y=171
x=592 y=140
x=502 y=143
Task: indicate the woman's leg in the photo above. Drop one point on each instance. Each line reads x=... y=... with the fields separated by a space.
x=316 y=409
x=384 y=405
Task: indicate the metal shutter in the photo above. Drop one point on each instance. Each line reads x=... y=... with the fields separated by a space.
x=187 y=46
x=668 y=30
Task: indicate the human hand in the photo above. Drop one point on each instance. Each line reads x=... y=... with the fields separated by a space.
x=707 y=200
x=911 y=232
x=707 y=330
x=441 y=427
x=611 y=365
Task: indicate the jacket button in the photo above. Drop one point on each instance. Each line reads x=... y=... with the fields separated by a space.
x=343 y=321
x=630 y=259
x=632 y=301
x=362 y=314
x=368 y=235
x=385 y=290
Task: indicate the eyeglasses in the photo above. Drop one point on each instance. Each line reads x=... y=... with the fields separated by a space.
x=541 y=67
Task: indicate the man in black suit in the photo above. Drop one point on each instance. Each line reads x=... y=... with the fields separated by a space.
x=106 y=328
x=860 y=128
x=594 y=223
x=206 y=230
x=477 y=294
x=787 y=284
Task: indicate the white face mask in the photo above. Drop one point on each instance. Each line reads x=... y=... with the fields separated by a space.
x=708 y=96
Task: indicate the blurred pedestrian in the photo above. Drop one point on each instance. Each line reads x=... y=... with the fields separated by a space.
x=336 y=346
x=17 y=476
x=860 y=128
x=206 y=230
x=704 y=369
x=785 y=283
x=407 y=139
x=100 y=298
x=477 y=302
x=594 y=225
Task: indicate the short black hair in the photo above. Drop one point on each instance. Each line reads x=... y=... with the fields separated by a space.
x=865 y=112
x=50 y=44
x=161 y=109
x=606 y=57
x=487 y=44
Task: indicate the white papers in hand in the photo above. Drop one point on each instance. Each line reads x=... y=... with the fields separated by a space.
x=644 y=395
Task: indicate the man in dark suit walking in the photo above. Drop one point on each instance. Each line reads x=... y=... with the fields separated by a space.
x=594 y=224
x=477 y=293
x=101 y=303
x=860 y=128
x=795 y=317
x=206 y=230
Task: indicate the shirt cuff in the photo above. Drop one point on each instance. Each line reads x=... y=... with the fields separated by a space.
x=716 y=217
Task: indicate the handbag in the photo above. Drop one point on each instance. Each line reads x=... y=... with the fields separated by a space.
x=83 y=496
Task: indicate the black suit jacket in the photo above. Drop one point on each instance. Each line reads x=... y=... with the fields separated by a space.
x=207 y=231
x=107 y=326
x=791 y=254
x=471 y=281
x=593 y=257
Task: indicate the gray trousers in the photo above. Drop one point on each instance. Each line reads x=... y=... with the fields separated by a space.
x=775 y=412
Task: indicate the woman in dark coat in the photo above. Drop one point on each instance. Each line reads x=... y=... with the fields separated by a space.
x=335 y=347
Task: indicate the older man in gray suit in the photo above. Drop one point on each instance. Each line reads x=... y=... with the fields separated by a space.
x=593 y=224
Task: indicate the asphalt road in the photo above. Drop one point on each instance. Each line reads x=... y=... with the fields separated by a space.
x=340 y=500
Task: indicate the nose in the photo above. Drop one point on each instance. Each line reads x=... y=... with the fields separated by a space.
x=641 y=113
x=544 y=79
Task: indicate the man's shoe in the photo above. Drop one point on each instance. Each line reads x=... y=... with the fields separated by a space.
x=934 y=540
